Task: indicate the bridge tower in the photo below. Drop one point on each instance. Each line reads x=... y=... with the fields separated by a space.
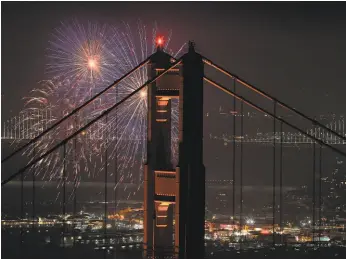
x=174 y=198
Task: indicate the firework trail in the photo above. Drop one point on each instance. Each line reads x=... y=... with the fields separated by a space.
x=82 y=61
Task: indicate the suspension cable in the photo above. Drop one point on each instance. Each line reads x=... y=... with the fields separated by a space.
x=313 y=189
x=106 y=176
x=76 y=110
x=258 y=108
x=274 y=172
x=33 y=192
x=21 y=206
x=241 y=167
x=90 y=123
x=320 y=195
x=266 y=95
x=64 y=194
x=116 y=155
x=234 y=155
x=75 y=183
x=281 y=181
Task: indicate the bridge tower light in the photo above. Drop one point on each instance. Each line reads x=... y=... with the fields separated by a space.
x=159 y=42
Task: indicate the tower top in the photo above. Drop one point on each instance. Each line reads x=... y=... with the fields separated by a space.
x=159 y=43
x=191 y=46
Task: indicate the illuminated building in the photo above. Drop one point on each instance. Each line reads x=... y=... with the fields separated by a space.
x=334 y=191
x=221 y=201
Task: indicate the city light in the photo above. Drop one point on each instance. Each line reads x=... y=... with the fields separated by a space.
x=250 y=221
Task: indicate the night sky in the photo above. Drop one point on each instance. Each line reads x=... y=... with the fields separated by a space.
x=295 y=51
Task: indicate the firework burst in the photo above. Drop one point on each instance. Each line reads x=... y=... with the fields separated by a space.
x=83 y=60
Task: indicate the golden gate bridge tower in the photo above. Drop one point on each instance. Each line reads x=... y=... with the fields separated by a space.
x=172 y=196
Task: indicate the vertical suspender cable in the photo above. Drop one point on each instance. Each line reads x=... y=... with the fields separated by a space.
x=274 y=171
x=33 y=191
x=15 y=127
x=75 y=181
x=320 y=195
x=106 y=172
x=64 y=194
x=21 y=206
x=234 y=150
x=313 y=191
x=116 y=153
x=19 y=130
x=281 y=180
x=241 y=166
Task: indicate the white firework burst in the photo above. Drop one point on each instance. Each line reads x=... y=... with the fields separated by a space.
x=83 y=60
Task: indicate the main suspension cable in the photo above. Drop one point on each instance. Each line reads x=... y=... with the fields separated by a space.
x=75 y=110
x=90 y=123
x=266 y=95
x=258 y=108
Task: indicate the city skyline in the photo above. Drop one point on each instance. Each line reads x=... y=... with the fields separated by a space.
x=136 y=135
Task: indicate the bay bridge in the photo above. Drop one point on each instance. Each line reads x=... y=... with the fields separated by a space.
x=30 y=123
x=174 y=198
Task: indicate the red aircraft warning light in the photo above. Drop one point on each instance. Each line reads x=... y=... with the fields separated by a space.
x=159 y=41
